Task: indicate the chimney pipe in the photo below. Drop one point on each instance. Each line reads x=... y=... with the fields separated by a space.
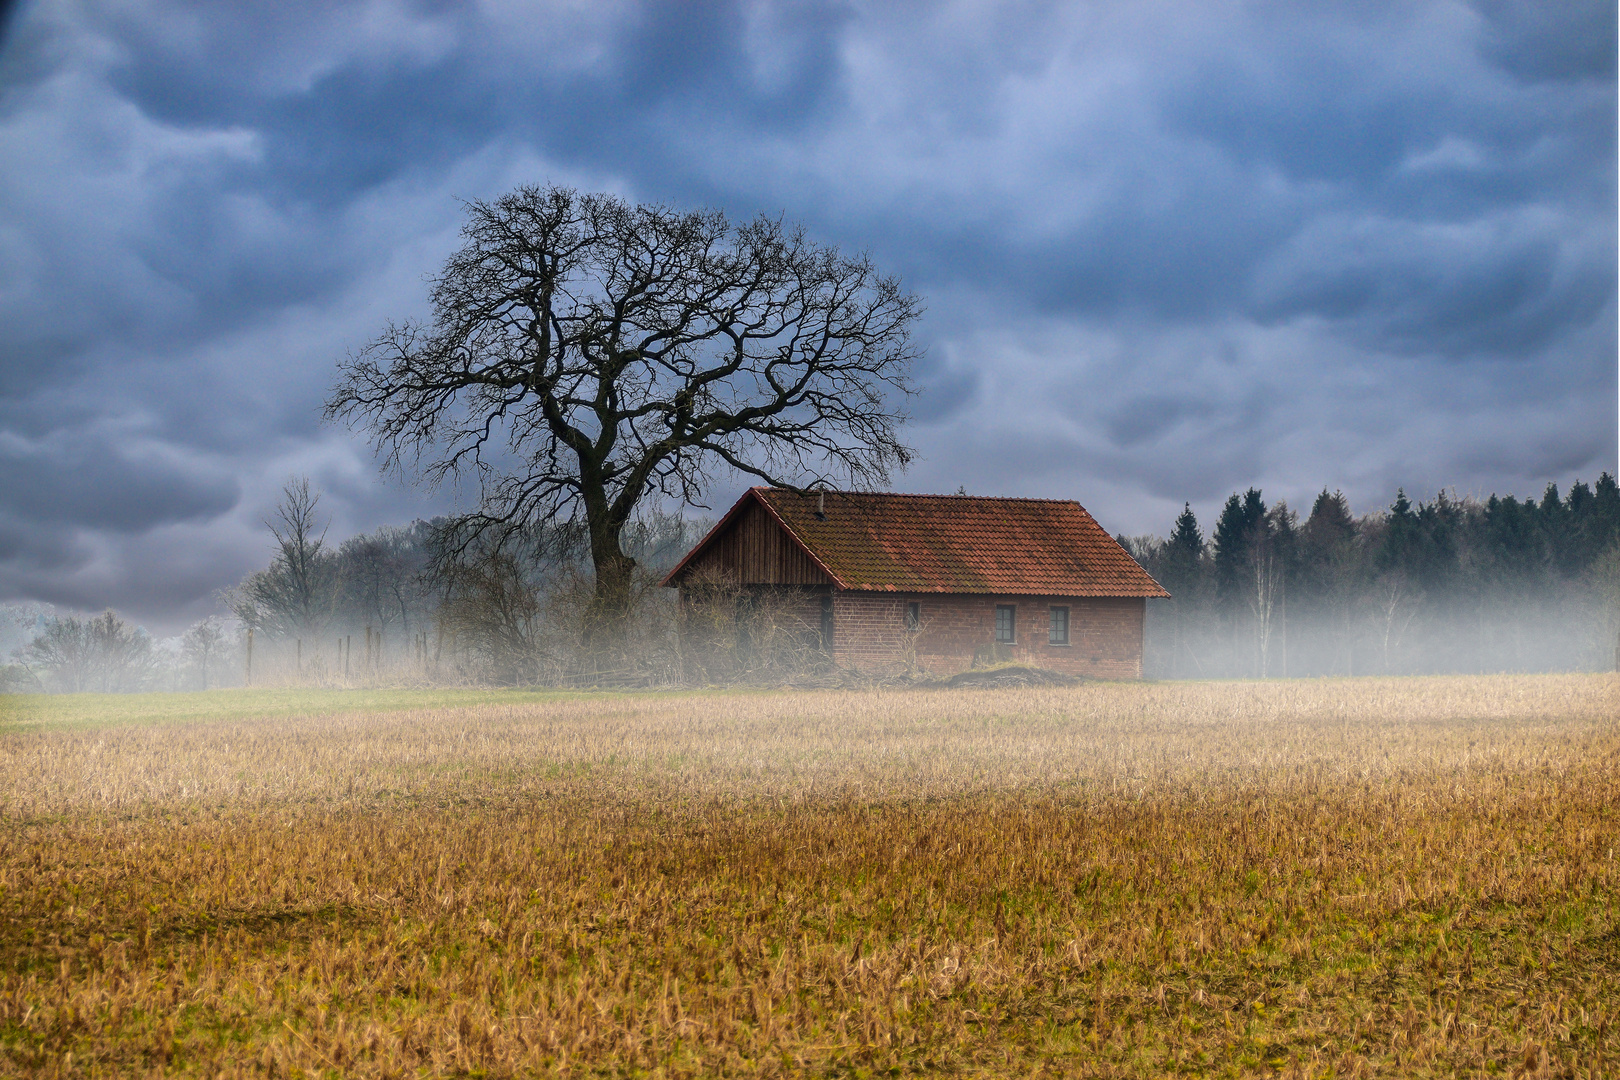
x=821 y=506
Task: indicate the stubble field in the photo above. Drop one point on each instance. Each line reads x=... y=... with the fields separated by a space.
x=1350 y=878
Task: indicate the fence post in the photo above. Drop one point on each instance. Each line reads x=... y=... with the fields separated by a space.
x=249 y=680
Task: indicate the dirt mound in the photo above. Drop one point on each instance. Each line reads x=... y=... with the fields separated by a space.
x=1012 y=675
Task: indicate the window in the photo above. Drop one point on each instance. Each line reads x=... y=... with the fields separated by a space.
x=1059 y=634
x=826 y=622
x=1006 y=623
x=913 y=617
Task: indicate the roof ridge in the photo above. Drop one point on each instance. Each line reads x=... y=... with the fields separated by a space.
x=928 y=495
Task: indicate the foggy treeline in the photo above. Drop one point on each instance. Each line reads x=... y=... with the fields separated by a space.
x=1447 y=585
x=413 y=603
x=431 y=600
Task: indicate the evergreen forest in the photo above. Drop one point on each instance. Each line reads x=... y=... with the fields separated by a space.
x=1448 y=585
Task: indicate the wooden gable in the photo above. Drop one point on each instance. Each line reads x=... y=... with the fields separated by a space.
x=749 y=547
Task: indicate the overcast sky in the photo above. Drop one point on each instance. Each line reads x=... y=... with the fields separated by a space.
x=1169 y=250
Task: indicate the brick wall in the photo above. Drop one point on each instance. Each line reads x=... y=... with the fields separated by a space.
x=869 y=633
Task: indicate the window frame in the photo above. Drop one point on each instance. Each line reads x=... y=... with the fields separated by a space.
x=913 y=616
x=1051 y=625
x=1012 y=624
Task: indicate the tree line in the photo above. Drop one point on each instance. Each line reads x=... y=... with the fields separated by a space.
x=41 y=649
x=417 y=602
x=447 y=601
x=1445 y=585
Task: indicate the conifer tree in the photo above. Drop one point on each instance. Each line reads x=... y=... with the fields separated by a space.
x=1183 y=560
x=1184 y=550
x=1234 y=536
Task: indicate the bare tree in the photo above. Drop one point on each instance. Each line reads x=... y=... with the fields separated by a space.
x=1394 y=603
x=104 y=653
x=494 y=612
x=294 y=597
x=585 y=354
x=1270 y=551
x=64 y=649
x=204 y=645
x=1263 y=602
x=737 y=634
x=382 y=577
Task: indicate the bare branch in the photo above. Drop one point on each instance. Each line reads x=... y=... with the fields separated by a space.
x=585 y=353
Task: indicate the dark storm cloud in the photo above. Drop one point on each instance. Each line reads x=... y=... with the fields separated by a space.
x=1168 y=250
x=1491 y=287
x=365 y=119
x=102 y=482
x=8 y=12
x=1551 y=39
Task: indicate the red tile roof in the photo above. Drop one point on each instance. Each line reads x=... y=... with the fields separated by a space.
x=951 y=544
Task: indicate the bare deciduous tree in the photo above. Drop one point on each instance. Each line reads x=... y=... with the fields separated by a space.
x=381 y=575
x=585 y=353
x=295 y=596
x=205 y=646
x=1270 y=552
x=1394 y=605
x=104 y=654
x=737 y=634
x=494 y=612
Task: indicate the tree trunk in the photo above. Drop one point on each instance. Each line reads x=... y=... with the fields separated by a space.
x=605 y=624
x=614 y=571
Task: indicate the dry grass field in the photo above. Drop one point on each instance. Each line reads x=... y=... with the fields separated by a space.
x=1407 y=877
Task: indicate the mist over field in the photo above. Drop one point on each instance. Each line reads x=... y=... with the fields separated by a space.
x=1442 y=585
x=1445 y=584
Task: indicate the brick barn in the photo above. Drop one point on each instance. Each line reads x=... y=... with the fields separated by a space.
x=880 y=581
